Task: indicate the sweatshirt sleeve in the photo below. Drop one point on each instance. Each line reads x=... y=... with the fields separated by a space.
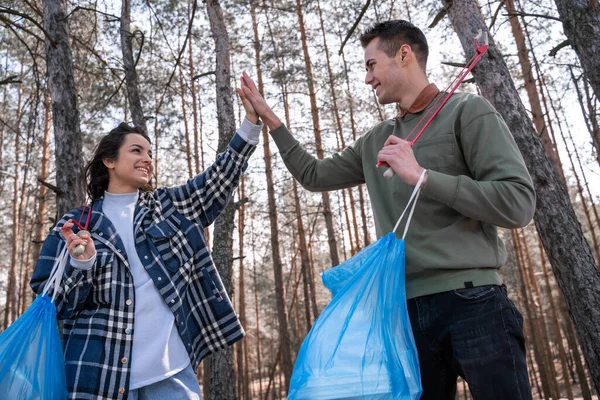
x=338 y=171
x=499 y=190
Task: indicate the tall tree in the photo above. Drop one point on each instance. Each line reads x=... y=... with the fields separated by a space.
x=282 y=318
x=314 y=111
x=222 y=382
x=581 y=23
x=569 y=253
x=67 y=133
x=131 y=79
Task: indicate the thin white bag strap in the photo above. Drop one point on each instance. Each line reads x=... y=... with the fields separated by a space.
x=413 y=199
x=56 y=273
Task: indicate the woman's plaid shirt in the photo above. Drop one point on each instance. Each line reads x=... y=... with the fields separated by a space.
x=97 y=305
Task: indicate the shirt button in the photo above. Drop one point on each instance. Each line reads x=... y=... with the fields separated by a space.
x=119 y=250
x=100 y=233
x=173 y=301
x=159 y=278
x=128 y=331
x=124 y=360
x=145 y=257
x=128 y=302
x=121 y=390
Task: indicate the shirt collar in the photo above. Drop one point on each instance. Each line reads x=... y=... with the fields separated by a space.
x=422 y=101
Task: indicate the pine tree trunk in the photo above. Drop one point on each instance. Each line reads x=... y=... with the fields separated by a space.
x=222 y=383
x=531 y=89
x=543 y=336
x=2 y=133
x=25 y=269
x=570 y=255
x=257 y=314
x=188 y=145
x=11 y=293
x=242 y=370
x=555 y=325
x=581 y=23
x=531 y=318
x=40 y=220
x=67 y=134
x=131 y=79
x=284 y=335
x=361 y=196
x=333 y=247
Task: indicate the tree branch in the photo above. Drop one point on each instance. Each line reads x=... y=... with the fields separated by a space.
x=21 y=27
x=204 y=74
x=4 y=10
x=515 y=13
x=351 y=31
x=438 y=17
x=10 y=79
x=51 y=187
x=559 y=47
x=493 y=22
x=114 y=17
x=454 y=64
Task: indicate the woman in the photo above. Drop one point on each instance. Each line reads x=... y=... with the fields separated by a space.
x=143 y=304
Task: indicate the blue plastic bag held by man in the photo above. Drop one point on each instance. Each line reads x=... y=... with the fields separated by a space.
x=32 y=365
x=362 y=346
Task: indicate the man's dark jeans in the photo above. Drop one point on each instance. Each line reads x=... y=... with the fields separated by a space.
x=476 y=333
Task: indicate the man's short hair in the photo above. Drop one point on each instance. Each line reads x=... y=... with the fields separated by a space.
x=395 y=33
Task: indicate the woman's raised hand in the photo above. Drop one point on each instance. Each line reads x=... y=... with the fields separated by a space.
x=74 y=240
x=251 y=114
x=249 y=93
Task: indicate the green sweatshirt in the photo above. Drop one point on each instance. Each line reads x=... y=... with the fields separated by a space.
x=477 y=181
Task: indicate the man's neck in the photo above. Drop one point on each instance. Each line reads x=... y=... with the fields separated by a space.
x=413 y=90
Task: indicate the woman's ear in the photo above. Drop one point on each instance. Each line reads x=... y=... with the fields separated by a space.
x=110 y=164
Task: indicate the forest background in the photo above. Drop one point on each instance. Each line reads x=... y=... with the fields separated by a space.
x=71 y=71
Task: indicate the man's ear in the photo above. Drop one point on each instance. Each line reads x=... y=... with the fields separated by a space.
x=404 y=51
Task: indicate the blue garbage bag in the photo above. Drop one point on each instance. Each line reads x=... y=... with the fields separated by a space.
x=32 y=364
x=361 y=346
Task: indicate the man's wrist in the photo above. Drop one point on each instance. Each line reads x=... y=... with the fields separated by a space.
x=424 y=172
x=272 y=122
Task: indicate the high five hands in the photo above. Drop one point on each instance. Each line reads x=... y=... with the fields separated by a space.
x=255 y=104
x=396 y=153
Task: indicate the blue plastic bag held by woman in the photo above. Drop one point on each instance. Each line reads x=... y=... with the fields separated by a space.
x=362 y=346
x=32 y=365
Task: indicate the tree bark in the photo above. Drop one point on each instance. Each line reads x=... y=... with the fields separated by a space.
x=40 y=221
x=532 y=94
x=581 y=23
x=333 y=247
x=67 y=134
x=131 y=79
x=282 y=317
x=222 y=383
x=569 y=253
x=12 y=289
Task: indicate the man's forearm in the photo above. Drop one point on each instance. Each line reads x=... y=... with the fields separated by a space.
x=272 y=121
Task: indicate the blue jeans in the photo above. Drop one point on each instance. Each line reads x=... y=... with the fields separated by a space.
x=476 y=333
x=181 y=386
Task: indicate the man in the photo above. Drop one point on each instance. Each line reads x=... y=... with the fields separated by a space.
x=463 y=322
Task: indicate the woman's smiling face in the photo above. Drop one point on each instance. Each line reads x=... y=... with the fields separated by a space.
x=133 y=167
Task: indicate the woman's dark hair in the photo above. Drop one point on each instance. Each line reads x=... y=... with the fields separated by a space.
x=108 y=149
x=393 y=34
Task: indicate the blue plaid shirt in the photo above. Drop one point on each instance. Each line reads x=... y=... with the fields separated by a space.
x=97 y=305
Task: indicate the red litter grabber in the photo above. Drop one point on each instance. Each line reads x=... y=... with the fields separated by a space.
x=481 y=46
